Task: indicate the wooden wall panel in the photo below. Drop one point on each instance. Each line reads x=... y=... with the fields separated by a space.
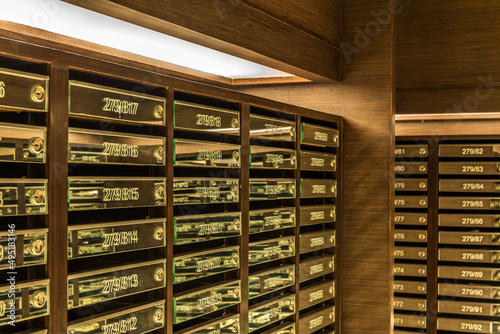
x=320 y=18
x=365 y=99
x=445 y=46
x=240 y=29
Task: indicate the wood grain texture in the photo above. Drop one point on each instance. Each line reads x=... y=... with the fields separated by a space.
x=237 y=28
x=365 y=100
x=441 y=129
x=320 y=18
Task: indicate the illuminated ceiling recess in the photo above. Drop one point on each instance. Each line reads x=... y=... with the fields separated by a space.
x=75 y=22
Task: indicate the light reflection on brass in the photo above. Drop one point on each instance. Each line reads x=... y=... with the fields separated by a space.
x=37 y=93
x=37 y=197
x=35 y=145
x=158 y=112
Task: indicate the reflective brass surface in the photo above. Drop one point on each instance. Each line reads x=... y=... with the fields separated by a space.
x=269 y=189
x=407 y=184
x=410 y=235
x=270 y=280
x=315 y=320
x=469 y=238
x=411 y=202
x=419 y=288
x=468 y=308
x=224 y=325
x=138 y=320
x=102 y=147
x=319 y=135
x=205 y=154
x=286 y=328
x=267 y=220
x=22 y=91
x=410 y=218
x=468 y=255
x=411 y=151
x=22 y=143
x=469 y=220
x=314 y=241
x=312 y=188
x=410 y=304
x=205 y=263
x=410 y=253
x=23 y=197
x=197 y=228
x=318 y=293
x=96 y=101
x=318 y=161
x=270 y=312
x=410 y=321
x=272 y=157
x=469 y=168
x=472 y=273
x=475 y=291
x=206 y=300
x=469 y=203
x=270 y=250
x=205 y=190
x=317 y=214
x=33 y=244
x=469 y=150
x=191 y=116
x=410 y=270
x=116 y=237
x=36 y=304
x=470 y=325
x=272 y=128
x=316 y=267
x=410 y=168
x=469 y=186
x=90 y=193
x=90 y=287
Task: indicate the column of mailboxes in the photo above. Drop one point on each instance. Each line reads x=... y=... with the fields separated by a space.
x=318 y=192
x=410 y=236
x=207 y=215
x=24 y=289
x=469 y=237
x=116 y=207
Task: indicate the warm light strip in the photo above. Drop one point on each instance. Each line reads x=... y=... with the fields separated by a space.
x=446 y=117
x=72 y=21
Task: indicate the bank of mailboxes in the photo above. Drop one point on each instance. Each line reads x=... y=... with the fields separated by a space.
x=464 y=228
x=117 y=200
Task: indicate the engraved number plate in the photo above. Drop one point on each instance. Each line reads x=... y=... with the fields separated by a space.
x=316 y=267
x=418 y=288
x=196 y=228
x=197 y=117
x=469 y=238
x=469 y=150
x=264 y=282
x=469 y=186
x=23 y=197
x=469 y=291
x=410 y=235
x=411 y=202
x=23 y=91
x=469 y=203
x=270 y=250
x=91 y=193
x=468 y=308
x=200 y=302
x=410 y=218
x=196 y=265
x=136 y=320
x=410 y=304
x=27 y=246
x=411 y=151
x=205 y=190
x=410 y=253
x=318 y=214
x=316 y=294
x=206 y=154
x=99 y=239
x=468 y=255
x=272 y=157
x=406 y=184
x=311 y=188
x=89 y=100
x=269 y=312
x=410 y=270
x=22 y=143
x=469 y=220
x=469 y=168
x=468 y=325
x=101 y=285
x=318 y=135
x=267 y=220
x=407 y=168
x=315 y=320
x=224 y=325
x=269 y=189
x=271 y=128
x=318 y=161
x=314 y=241
x=99 y=147
x=410 y=321
x=28 y=300
x=472 y=273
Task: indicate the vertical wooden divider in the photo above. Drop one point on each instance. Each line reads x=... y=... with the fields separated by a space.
x=245 y=216
x=57 y=174
x=432 y=235
x=298 y=119
x=338 y=232
x=169 y=295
